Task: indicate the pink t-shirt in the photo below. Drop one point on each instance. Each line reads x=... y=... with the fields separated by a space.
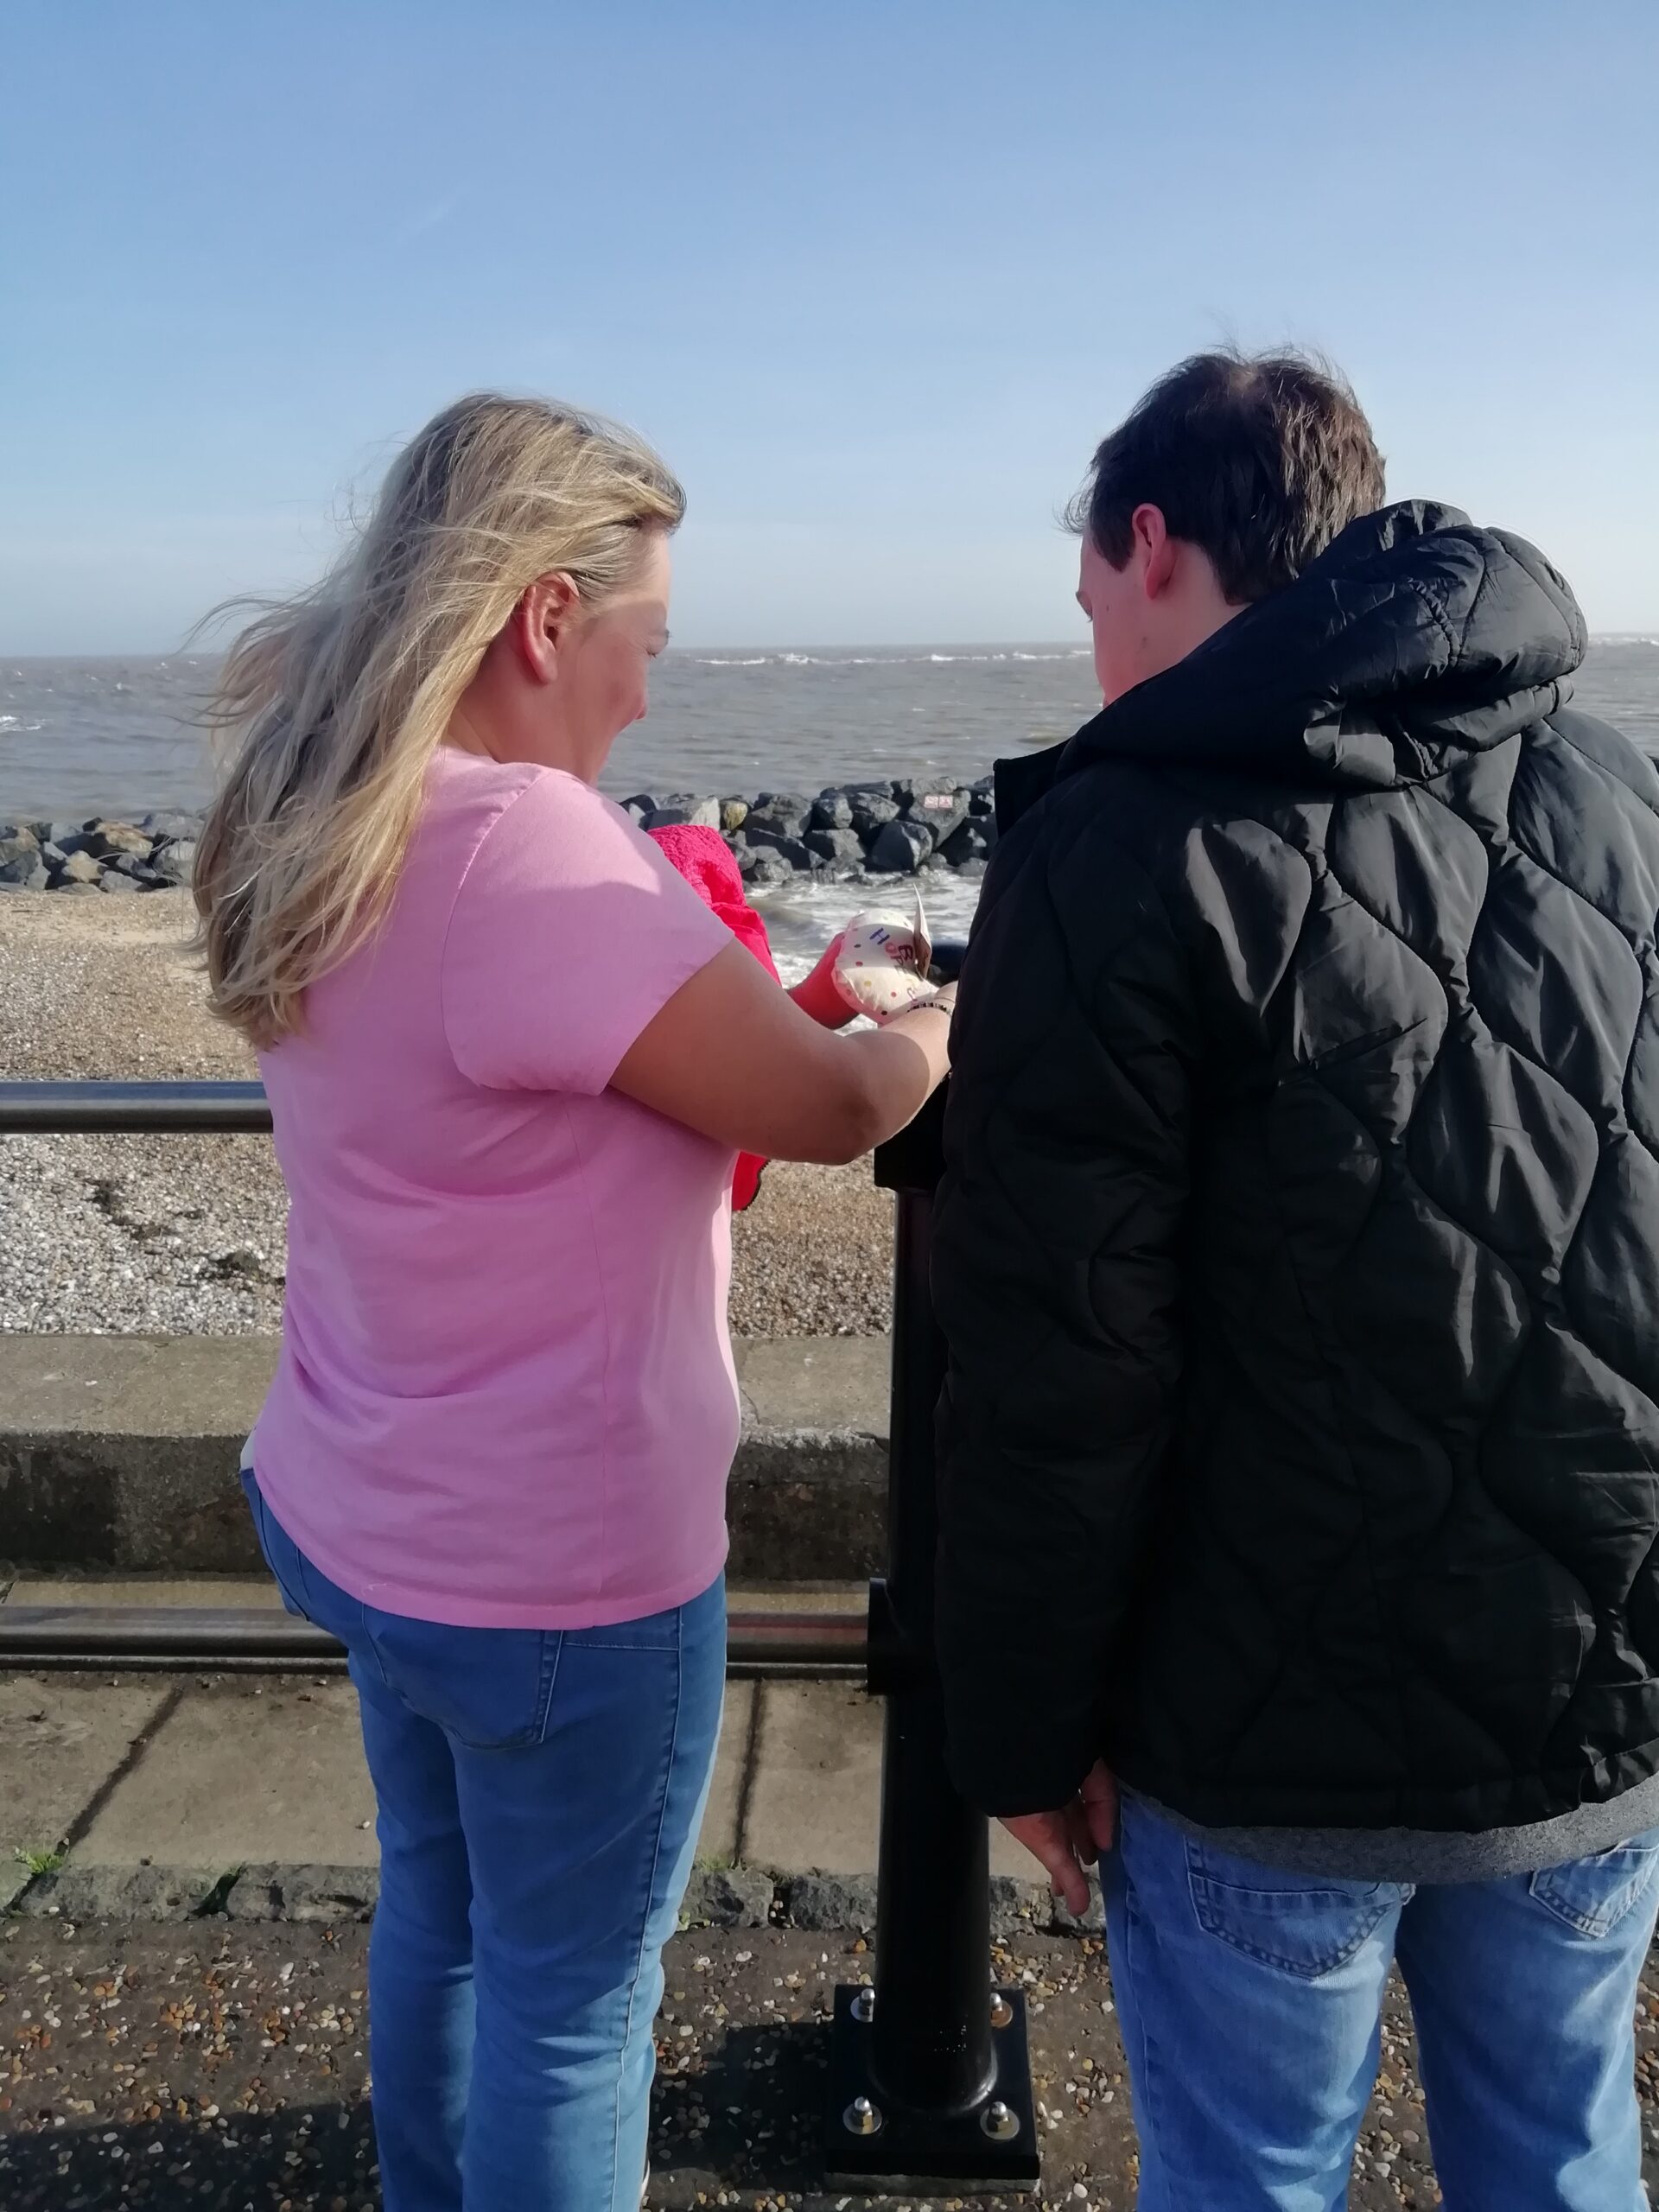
x=505 y=1396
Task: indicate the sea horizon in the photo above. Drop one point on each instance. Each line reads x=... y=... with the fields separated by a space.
x=89 y=733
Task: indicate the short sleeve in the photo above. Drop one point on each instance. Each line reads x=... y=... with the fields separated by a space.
x=569 y=933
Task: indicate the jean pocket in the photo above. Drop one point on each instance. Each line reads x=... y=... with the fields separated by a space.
x=652 y=1632
x=1296 y=1922
x=1593 y=1895
x=489 y=1688
x=280 y=1555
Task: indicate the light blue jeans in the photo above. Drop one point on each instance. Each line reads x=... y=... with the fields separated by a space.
x=540 y=1793
x=1250 y=2003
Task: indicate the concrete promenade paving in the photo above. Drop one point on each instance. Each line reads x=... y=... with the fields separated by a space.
x=148 y=1790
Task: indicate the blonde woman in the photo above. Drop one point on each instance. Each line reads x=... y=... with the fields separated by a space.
x=510 y=1056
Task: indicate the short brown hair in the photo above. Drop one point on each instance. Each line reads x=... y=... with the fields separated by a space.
x=1259 y=458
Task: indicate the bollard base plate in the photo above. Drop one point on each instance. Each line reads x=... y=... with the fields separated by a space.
x=920 y=2151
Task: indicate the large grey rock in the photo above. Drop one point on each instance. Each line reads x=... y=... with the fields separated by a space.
x=765 y=839
x=144 y=873
x=701 y=813
x=23 y=874
x=674 y=814
x=179 y=828
x=832 y=809
x=900 y=847
x=872 y=811
x=762 y=867
x=106 y=839
x=780 y=813
x=175 y=863
x=838 y=847
x=117 y=883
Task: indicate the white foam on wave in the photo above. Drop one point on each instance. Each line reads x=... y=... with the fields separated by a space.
x=878 y=660
x=800 y=919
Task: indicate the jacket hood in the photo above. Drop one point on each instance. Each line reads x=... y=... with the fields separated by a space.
x=1415 y=634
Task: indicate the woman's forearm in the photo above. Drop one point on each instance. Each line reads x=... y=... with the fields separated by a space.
x=900 y=1068
x=732 y=1055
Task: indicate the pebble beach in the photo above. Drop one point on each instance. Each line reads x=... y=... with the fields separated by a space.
x=184 y=1236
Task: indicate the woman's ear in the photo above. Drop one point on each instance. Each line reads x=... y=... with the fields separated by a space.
x=541 y=624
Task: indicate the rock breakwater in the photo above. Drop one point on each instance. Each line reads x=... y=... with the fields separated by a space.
x=100 y=856
x=846 y=832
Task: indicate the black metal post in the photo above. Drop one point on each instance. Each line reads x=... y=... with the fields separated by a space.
x=930 y=2075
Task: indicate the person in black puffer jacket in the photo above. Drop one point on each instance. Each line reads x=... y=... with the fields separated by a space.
x=1298 y=1257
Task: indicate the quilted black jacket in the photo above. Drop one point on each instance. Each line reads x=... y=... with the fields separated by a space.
x=1298 y=1251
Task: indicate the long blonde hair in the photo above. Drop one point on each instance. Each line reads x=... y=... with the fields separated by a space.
x=337 y=699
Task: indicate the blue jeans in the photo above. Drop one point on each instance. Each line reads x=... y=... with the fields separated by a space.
x=540 y=1793
x=1250 y=2003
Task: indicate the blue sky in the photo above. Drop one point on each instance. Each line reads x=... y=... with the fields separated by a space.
x=874 y=277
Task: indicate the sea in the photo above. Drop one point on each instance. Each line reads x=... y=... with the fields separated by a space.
x=123 y=736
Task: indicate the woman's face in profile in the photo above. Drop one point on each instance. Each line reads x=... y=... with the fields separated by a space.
x=603 y=682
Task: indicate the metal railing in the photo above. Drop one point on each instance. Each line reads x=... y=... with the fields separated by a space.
x=813 y=1640
x=90 y=1110
x=238 y=1639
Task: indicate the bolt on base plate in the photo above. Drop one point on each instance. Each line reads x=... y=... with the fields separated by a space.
x=993 y=2146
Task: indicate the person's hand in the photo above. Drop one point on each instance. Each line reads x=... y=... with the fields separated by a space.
x=818 y=995
x=1067 y=1843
